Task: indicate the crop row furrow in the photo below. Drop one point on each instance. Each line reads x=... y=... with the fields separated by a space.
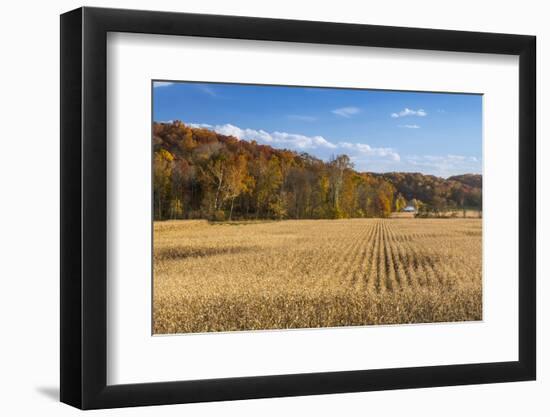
x=351 y=272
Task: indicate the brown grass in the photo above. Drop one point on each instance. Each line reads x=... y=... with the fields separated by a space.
x=315 y=273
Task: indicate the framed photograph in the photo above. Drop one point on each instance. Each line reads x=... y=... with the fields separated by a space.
x=257 y=208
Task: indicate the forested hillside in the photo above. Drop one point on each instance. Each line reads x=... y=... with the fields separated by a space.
x=198 y=173
x=438 y=194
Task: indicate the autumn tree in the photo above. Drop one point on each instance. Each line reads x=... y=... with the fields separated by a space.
x=237 y=180
x=337 y=167
x=417 y=204
x=400 y=202
x=182 y=174
x=270 y=184
x=162 y=179
x=384 y=199
x=216 y=168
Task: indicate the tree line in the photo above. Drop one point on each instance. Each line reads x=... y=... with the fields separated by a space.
x=431 y=194
x=198 y=173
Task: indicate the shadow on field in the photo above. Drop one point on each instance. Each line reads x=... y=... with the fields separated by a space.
x=183 y=252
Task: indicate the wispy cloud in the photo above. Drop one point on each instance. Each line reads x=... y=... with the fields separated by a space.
x=409 y=112
x=444 y=165
x=409 y=126
x=302 y=118
x=346 y=112
x=207 y=90
x=157 y=84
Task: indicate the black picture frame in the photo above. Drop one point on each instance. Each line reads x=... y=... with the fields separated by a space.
x=84 y=207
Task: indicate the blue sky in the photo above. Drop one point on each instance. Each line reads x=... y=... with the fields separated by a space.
x=382 y=131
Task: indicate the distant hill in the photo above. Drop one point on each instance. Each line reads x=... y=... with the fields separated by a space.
x=473 y=180
x=454 y=192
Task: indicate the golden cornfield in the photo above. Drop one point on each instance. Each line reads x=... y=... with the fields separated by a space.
x=315 y=273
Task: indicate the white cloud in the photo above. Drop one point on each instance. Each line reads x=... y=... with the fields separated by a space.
x=302 y=118
x=302 y=141
x=318 y=145
x=200 y=125
x=161 y=84
x=409 y=112
x=410 y=126
x=365 y=149
x=290 y=140
x=346 y=112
